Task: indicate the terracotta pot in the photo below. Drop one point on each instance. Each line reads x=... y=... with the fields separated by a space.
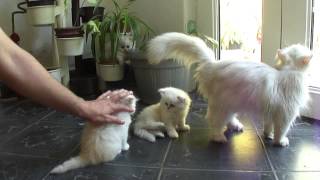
x=41 y=12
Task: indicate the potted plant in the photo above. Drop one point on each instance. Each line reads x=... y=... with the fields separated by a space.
x=41 y=12
x=106 y=38
x=149 y=77
x=70 y=40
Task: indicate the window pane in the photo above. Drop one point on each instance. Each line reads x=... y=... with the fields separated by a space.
x=315 y=63
x=240 y=29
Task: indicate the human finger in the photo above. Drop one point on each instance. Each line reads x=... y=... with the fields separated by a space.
x=113 y=119
x=104 y=95
x=121 y=108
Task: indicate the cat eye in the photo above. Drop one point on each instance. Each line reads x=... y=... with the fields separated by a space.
x=128 y=46
x=122 y=47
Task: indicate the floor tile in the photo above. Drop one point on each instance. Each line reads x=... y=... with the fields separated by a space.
x=303 y=154
x=58 y=117
x=45 y=139
x=16 y=119
x=174 y=174
x=7 y=104
x=108 y=172
x=143 y=153
x=299 y=175
x=16 y=167
x=244 y=151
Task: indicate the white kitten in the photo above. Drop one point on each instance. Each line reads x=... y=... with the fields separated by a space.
x=275 y=96
x=170 y=113
x=126 y=45
x=101 y=143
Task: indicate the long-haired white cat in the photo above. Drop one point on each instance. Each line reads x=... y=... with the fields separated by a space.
x=101 y=143
x=169 y=114
x=275 y=96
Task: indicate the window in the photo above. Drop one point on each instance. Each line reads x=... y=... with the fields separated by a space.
x=240 y=29
x=314 y=72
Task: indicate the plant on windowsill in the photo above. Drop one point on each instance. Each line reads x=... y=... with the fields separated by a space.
x=106 y=37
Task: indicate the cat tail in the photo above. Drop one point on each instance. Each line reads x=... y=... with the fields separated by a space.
x=144 y=130
x=73 y=163
x=180 y=47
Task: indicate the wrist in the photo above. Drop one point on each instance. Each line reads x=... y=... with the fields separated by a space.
x=81 y=108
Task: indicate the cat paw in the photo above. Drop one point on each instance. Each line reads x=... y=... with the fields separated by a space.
x=159 y=134
x=185 y=128
x=283 y=142
x=126 y=147
x=173 y=134
x=151 y=139
x=237 y=126
x=57 y=170
x=268 y=135
x=220 y=138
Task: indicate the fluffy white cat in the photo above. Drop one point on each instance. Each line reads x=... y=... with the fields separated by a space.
x=126 y=45
x=101 y=143
x=169 y=114
x=275 y=96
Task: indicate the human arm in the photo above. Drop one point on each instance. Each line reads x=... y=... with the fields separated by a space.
x=23 y=73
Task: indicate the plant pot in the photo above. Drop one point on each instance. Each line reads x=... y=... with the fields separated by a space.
x=55 y=73
x=70 y=41
x=110 y=72
x=88 y=12
x=150 y=78
x=41 y=12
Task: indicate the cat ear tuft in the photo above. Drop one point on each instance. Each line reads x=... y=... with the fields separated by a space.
x=280 y=55
x=162 y=91
x=306 y=59
x=181 y=99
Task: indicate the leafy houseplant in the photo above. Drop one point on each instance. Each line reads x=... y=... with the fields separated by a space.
x=109 y=31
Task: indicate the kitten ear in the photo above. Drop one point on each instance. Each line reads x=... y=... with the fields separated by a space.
x=181 y=99
x=306 y=59
x=162 y=91
x=281 y=55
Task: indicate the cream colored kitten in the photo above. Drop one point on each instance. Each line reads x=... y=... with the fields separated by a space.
x=101 y=143
x=169 y=114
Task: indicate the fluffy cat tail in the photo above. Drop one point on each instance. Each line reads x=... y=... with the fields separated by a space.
x=73 y=163
x=182 y=48
x=145 y=131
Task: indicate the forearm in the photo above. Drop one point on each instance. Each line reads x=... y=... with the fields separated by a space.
x=24 y=74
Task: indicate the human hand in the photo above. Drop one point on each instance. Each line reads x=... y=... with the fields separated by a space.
x=102 y=109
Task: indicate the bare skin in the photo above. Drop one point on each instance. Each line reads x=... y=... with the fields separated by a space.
x=23 y=73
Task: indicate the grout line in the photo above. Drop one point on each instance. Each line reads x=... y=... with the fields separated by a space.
x=214 y=170
x=164 y=159
x=266 y=152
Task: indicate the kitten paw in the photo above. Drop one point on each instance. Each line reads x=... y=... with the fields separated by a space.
x=283 y=142
x=236 y=126
x=221 y=138
x=58 y=169
x=151 y=139
x=126 y=147
x=159 y=134
x=173 y=134
x=185 y=128
x=268 y=135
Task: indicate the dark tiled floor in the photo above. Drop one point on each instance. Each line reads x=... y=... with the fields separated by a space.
x=34 y=139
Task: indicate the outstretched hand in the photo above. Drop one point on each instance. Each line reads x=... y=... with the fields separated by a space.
x=103 y=109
